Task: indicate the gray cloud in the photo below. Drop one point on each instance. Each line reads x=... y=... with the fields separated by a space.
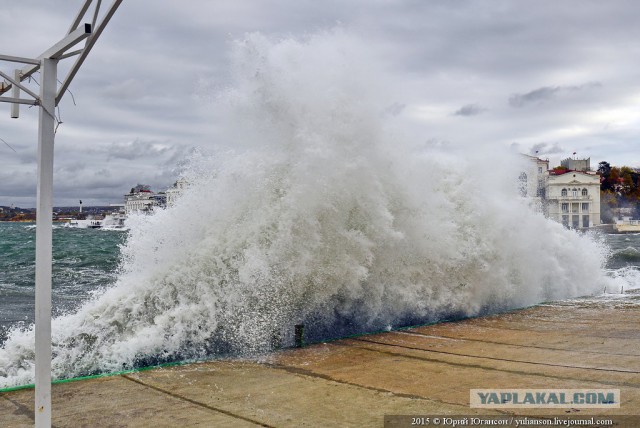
x=469 y=110
x=395 y=109
x=144 y=94
x=137 y=149
x=540 y=149
x=547 y=93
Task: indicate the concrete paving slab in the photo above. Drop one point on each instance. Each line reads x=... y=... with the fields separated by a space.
x=357 y=381
x=282 y=397
x=115 y=402
x=447 y=379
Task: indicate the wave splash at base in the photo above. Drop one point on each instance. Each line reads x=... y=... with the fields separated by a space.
x=326 y=213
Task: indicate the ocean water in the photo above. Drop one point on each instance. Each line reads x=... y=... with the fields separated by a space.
x=322 y=207
x=84 y=262
x=623 y=263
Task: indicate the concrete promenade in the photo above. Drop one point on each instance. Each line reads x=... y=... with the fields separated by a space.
x=355 y=382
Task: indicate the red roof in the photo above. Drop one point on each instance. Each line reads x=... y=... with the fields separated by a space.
x=564 y=171
x=558 y=171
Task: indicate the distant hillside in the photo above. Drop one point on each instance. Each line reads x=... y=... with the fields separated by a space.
x=15 y=209
x=620 y=191
x=88 y=210
x=17 y=214
x=29 y=214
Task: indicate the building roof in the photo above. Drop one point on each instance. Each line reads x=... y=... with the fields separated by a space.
x=535 y=158
x=565 y=171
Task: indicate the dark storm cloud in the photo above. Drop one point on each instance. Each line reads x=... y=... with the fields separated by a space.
x=469 y=110
x=547 y=93
x=546 y=149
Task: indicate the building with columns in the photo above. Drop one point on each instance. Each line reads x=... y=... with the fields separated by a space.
x=573 y=198
x=175 y=191
x=569 y=194
x=142 y=200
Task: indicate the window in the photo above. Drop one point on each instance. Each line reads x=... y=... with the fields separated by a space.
x=584 y=192
x=522 y=187
x=585 y=208
x=565 y=220
x=539 y=170
x=576 y=221
x=565 y=208
x=585 y=221
x=575 y=208
x=574 y=192
x=564 y=192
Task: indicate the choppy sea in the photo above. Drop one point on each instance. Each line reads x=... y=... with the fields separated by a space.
x=85 y=261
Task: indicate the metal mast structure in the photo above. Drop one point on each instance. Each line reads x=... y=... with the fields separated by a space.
x=48 y=98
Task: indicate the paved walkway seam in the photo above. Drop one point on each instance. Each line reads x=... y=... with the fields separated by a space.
x=415 y=333
x=24 y=410
x=308 y=373
x=477 y=366
x=197 y=403
x=499 y=359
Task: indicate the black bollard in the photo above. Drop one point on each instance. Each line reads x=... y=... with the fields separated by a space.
x=299 y=335
x=276 y=340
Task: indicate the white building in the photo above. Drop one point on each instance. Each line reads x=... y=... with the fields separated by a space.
x=142 y=200
x=532 y=180
x=577 y=164
x=174 y=192
x=570 y=196
x=573 y=198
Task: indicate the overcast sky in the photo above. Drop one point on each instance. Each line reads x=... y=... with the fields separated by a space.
x=554 y=76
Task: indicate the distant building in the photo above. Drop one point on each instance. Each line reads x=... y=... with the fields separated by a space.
x=142 y=200
x=576 y=164
x=532 y=180
x=622 y=213
x=622 y=221
x=175 y=191
x=573 y=198
x=569 y=195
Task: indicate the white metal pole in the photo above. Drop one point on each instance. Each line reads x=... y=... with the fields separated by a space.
x=44 y=241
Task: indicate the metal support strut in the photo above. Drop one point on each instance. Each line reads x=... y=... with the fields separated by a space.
x=48 y=99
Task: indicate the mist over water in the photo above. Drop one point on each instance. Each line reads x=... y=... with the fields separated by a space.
x=324 y=209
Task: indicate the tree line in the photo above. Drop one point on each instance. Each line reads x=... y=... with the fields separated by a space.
x=619 y=188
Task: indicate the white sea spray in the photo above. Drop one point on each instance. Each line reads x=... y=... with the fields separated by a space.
x=320 y=209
